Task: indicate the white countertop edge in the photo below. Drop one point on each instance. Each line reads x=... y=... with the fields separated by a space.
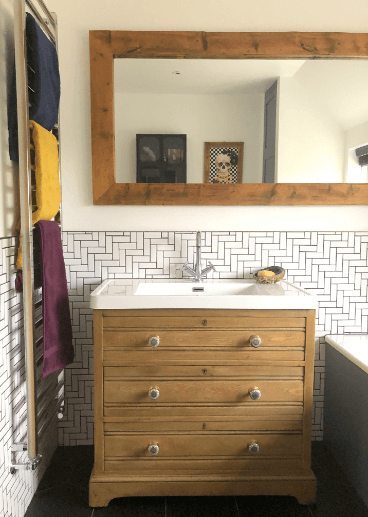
x=331 y=341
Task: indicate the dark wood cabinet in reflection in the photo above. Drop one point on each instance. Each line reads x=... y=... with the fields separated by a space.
x=161 y=158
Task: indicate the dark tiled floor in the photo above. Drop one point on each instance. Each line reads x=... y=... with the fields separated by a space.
x=63 y=492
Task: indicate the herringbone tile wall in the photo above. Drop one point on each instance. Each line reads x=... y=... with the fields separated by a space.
x=332 y=265
x=17 y=489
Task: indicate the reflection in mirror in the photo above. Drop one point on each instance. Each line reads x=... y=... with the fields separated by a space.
x=300 y=121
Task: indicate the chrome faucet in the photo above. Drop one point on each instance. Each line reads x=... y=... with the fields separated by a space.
x=197 y=273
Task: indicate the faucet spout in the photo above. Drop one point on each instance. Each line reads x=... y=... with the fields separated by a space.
x=197 y=273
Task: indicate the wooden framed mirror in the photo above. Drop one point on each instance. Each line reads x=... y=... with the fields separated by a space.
x=105 y=46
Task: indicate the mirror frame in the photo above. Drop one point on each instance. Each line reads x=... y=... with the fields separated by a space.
x=105 y=46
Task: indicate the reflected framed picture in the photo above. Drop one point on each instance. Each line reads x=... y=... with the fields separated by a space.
x=223 y=162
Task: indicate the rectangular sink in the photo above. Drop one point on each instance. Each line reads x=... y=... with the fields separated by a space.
x=212 y=294
x=192 y=289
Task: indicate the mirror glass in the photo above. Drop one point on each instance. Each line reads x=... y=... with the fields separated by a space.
x=300 y=121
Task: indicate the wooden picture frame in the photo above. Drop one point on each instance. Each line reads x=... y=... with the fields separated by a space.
x=235 y=151
x=105 y=46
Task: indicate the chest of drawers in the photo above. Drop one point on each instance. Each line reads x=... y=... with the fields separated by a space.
x=219 y=402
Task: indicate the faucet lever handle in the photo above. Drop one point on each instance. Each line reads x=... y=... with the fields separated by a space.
x=212 y=266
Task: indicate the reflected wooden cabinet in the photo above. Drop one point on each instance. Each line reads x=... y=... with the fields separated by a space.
x=161 y=158
x=203 y=402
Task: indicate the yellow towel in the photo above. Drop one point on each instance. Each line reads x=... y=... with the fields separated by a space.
x=48 y=195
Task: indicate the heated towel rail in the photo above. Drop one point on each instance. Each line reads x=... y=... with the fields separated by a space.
x=37 y=413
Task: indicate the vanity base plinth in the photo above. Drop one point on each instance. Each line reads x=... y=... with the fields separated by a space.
x=105 y=487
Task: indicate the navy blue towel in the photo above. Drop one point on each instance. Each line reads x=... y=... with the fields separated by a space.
x=44 y=83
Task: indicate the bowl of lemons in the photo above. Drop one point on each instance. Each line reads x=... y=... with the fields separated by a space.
x=269 y=275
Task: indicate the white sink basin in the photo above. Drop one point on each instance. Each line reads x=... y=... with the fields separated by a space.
x=219 y=294
x=206 y=289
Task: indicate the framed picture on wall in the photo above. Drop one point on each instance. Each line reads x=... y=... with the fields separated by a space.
x=223 y=162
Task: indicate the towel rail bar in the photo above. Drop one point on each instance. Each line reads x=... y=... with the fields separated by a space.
x=40 y=19
x=26 y=187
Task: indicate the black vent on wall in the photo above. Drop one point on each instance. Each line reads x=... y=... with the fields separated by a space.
x=362 y=154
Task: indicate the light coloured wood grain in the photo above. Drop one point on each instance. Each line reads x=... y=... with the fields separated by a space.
x=202 y=417
x=208 y=425
x=199 y=338
x=98 y=392
x=176 y=372
x=226 y=465
x=250 y=356
x=200 y=322
x=228 y=412
x=303 y=488
x=208 y=391
x=201 y=445
x=308 y=386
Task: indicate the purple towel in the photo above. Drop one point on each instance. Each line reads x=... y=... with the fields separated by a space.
x=58 y=349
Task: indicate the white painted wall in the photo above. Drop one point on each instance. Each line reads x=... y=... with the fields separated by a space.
x=307 y=155
x=203 y=118
x=77 y=18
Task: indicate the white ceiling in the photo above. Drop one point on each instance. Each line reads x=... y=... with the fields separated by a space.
x=341 y=86
x=200 y=76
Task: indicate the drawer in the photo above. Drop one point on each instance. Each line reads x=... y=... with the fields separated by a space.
x=202 y=391
x=205 y=320
x=206 y=445
x=193 y=417
x=201 y=346
x=230 y=356
x=240 y=339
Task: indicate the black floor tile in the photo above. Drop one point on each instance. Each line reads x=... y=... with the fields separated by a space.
x=63 y=491
x=271 y=506
x=133 y=507
x=82 y=468
x=64 y=500
x=201 y=507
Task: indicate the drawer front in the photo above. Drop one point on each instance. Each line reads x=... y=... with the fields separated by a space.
x=122 y=445
x=206 y=321
x=201 y=372
x=230 y=356
x=199 y=391
x=240 y=339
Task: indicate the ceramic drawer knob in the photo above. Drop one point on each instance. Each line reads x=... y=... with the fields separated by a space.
x=254 y=393
x=253 y=447
x=154 y=341
x=255 y=341
x=154 y=393
x=153 y=449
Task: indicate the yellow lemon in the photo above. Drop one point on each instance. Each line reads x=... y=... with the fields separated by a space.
x=266 y=273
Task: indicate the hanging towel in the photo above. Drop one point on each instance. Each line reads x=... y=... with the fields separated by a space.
x=48 y=195
x=44 y=83
x=58 y=349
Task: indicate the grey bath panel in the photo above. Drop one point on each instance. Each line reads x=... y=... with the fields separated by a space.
x=346 y=418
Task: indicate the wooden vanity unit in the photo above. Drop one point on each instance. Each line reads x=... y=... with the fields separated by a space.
x=203 y=402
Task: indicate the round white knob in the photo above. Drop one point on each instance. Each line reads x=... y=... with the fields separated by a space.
x=253 y=447
x=154 y=341
x=154 y=393
x=254 y=393
x=153 y=449
x=255 y=341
